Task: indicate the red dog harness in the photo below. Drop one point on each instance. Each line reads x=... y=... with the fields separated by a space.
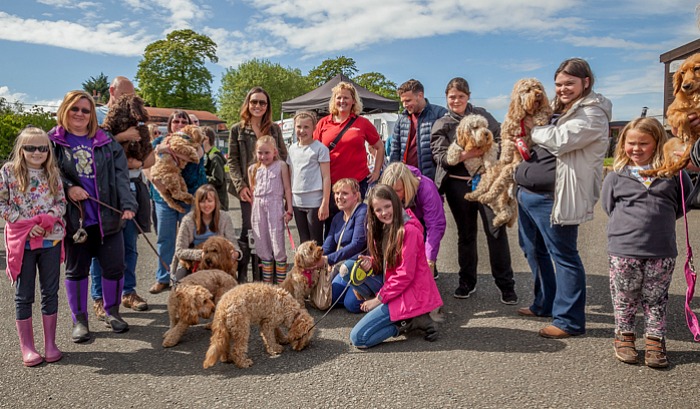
x=520 y=142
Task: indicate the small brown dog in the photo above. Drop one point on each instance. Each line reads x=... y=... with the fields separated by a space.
x=686 y=93
x=173 y=153
x=217 y=254
x=261 y=304
x=473 y=132
x=497 y=186
x=194 y=297
x=304 y=275
x=129 y=110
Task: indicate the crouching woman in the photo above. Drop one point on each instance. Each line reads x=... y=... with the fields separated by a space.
x=409 y=293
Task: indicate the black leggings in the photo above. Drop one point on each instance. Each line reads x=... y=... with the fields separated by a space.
x=308 y=224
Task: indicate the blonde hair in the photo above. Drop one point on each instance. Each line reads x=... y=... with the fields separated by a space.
x=71 y=98
x=201 y=194
x=356 y=106
x=646 y=125
x=349 y=182
x=306 y=115
x=398 y=171
x=253 y=170
x=19 y=164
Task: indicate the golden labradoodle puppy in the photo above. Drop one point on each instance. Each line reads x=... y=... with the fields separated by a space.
x=217 y=253
x=304 y=275
x=194 y=297
x=256 y=304
x=172 y=154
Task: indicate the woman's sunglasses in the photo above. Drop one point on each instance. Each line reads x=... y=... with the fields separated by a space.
x=85 y=111
x=33 y=148
x=258 y=102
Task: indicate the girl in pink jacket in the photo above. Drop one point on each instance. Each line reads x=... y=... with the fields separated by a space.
x=409 y=293
x=32 y=203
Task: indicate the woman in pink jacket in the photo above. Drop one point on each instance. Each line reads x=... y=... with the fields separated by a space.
x=409 y=293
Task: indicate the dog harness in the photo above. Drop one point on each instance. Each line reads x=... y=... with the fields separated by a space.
x=520 y=142
x=307 y=273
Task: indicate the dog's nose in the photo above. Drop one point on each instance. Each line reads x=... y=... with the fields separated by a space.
x=687 y=86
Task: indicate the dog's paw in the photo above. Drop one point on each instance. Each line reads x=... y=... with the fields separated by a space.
x=274 y=350
x=243 y=362
x=169 y=342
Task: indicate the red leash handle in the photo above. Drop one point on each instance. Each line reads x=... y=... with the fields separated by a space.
x=291 y=238
x=520 y=142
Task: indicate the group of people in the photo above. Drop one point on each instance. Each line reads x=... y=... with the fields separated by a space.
x=75 y=182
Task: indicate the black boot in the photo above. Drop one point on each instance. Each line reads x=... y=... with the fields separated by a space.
x=421 y=322
x=112 y=295
x=243 y=262
x=76 y=292
x=81 y=331
x=257 y=268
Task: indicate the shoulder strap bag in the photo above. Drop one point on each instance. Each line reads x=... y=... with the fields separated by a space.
x=342 y=132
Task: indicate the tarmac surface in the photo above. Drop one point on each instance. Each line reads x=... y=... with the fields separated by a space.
x=486 y=355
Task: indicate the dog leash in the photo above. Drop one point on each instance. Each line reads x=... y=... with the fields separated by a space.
x=291 y=239
x=165 y=266
x=690 y=276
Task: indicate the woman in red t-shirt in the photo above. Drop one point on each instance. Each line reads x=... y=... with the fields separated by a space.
x=348 y=155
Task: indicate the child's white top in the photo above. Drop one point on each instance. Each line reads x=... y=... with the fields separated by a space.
x=305 y=167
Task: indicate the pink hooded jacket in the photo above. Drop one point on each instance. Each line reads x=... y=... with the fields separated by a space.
x=409 y=289
x=16 y=235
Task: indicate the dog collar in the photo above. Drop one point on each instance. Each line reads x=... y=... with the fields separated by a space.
x=307 y=274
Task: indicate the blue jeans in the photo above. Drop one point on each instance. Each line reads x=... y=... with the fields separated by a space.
x=373 y=328
x=551 y=252
x=367 y=289
x=131 y=256
x=167 y=233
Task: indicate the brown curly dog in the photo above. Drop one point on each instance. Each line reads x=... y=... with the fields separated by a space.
x=129 y=110
x=264 y=305
x=497 y=186
x=172 y=154
x=217 y=254
x=194 y=297
x=304 y=275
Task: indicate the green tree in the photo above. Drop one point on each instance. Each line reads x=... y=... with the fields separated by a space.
x=281 y=83
x=377 y=83
x=13 y=118
x=98 y=87
x=330 y=68
x=172 y=73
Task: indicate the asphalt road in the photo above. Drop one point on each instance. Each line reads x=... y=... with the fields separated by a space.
x=486 y=356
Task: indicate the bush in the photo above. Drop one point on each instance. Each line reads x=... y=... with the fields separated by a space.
x=13 y=118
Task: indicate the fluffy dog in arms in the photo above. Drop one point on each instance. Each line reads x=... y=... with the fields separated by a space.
x=304 y=275
x=686 y=93
x=129 y=111
x=497 y=186
x=473 y=132
x=173 y=153
x=193 y=297
x=262 y=304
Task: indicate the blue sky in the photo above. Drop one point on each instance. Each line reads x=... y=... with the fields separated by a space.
x=49 y=47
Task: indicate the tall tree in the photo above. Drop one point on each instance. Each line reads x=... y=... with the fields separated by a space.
x=172 y=73
x=330 y=68
x=98 y=87
x=281 y=83
x=377 y=83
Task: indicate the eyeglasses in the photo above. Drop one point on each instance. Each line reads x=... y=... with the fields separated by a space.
x=85 y=111
x=258 y=102
x=33 y=148
x=180 y=121
x=156 y=133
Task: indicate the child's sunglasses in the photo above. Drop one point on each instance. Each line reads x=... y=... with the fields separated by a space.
x=33 y=148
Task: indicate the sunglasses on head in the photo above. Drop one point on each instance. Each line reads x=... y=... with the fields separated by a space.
x=34 y=148
x=83 y=110
x=258 y=102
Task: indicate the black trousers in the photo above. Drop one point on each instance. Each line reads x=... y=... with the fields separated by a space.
x=465 y=216
x=108 y=250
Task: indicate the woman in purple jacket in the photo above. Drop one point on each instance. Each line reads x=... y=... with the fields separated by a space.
x=409 y=293
x=419 y=194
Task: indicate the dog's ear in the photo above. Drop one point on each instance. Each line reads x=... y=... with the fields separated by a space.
x=678 y=81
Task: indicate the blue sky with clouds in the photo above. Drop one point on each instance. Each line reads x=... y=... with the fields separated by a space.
x=51 y=46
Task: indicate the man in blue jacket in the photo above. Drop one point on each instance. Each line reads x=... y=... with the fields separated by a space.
x=410 y=142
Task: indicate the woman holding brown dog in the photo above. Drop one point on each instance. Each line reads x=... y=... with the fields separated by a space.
x=557 y=188
x=455 y=181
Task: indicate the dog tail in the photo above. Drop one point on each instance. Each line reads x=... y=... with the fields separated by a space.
x=220 y=341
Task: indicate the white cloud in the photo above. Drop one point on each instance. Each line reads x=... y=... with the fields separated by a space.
x=27 y=102
x=69 y=4
x=632 y=82
x=607 y=42
x=103 y=38
x=497 y=103
x=321 y=27
x=234 y=47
